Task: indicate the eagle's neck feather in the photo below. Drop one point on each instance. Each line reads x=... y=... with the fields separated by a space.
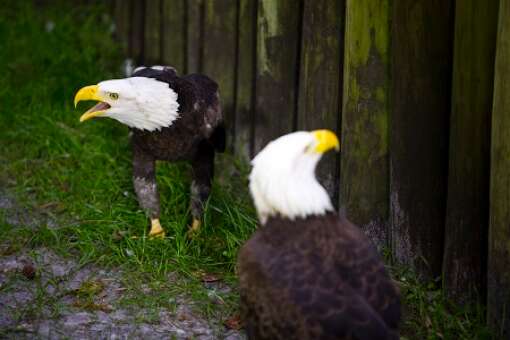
x=151 y=104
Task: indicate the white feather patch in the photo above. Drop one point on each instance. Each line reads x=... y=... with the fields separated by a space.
x=142 y=103
x=282 y=181
x=139 y=68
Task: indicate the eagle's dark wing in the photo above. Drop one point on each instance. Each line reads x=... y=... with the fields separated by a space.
x=294 y=283
x=367 y=273
x=213 y=117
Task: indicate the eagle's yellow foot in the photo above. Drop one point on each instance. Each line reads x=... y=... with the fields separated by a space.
x=194 y=228
x=156 y=230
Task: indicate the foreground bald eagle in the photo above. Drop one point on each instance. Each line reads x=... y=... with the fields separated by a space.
x=309 y=273
x=171 y=118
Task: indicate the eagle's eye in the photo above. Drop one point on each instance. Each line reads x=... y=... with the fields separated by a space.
x=309 y=148
x=114 y=96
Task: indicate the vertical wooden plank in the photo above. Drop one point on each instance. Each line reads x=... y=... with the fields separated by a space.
x=137 y=30
x=498 y=293
x=152 y=37
x=464 y=265
x=245 y=75
x=364 y=157
x=173 y=34
x=219 y=50
x=321 y=77
x=194 y=21
x=122 y=23
x=277 y=55
x=421 y=72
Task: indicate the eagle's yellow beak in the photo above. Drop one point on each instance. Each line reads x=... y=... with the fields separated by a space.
x=91 y=93
x=326 y=140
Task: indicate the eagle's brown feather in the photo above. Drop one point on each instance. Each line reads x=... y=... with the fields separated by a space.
x=315 y=278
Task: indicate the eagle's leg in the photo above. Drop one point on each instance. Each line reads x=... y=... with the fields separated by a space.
x=144 y=182
x=203 y=172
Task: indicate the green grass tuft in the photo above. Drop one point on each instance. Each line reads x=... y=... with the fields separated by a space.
x=78 y=177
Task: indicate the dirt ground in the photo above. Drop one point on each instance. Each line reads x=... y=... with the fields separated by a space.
x=43 y=295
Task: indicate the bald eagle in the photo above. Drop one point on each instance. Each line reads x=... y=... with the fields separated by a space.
x=309 y=273
x=171 y=118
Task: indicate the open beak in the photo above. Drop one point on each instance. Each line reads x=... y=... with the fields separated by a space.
x=326 y=140
x=91 y=93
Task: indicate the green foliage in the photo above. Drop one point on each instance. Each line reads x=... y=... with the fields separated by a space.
x=428 y=314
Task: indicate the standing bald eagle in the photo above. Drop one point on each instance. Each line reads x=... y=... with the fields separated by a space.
x=309 y=273
x=171 y=118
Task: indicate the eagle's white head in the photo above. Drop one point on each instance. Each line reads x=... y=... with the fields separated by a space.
x=139 y=102
x=282 y=181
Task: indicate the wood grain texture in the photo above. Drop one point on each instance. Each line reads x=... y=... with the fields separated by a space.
x=365 y=117
x=467 y=215
x=320 y=74
x=498 y=297
x=194 y=26
x=173 y=49
x=422 y=33
x=152 y=34
x=219 y=58
x=245 y=75
x=277 y=62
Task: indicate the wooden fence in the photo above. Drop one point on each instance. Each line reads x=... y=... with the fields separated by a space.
x=410 y=87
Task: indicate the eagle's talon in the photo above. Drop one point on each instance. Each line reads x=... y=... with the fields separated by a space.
x=194 y=228
x=156 y=230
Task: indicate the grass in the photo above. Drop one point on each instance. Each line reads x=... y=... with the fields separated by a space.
x=79 y=177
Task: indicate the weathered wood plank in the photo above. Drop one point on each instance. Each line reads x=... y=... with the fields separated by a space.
x=137 y=31
x=464 y=265
x=364 y=159
x=498 y=293
x=422 y=33
x=244 y=102
x=277 y=55
x=173 y=50
x=122 y=23
x=321 y=77
x=152 y=36
x=194 y=29
x=219 y=50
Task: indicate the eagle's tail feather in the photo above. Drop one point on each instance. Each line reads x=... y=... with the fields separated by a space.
x=219 y=138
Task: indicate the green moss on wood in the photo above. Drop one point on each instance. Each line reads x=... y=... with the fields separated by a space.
x=365 y=173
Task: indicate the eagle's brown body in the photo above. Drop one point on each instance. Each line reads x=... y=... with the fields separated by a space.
x=315 y=278
x=194 y=136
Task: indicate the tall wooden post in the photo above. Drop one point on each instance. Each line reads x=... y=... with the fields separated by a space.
x=152 y=34
x=364 y=176
x=498 y=284
x=277 y=62
x=467 y=214
x=219 y=58
x=122 y=23
x=421 y=72
x=137 y=31
x=173 y=33
x=245 y=77
x=194 y=34
x=320 y=96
